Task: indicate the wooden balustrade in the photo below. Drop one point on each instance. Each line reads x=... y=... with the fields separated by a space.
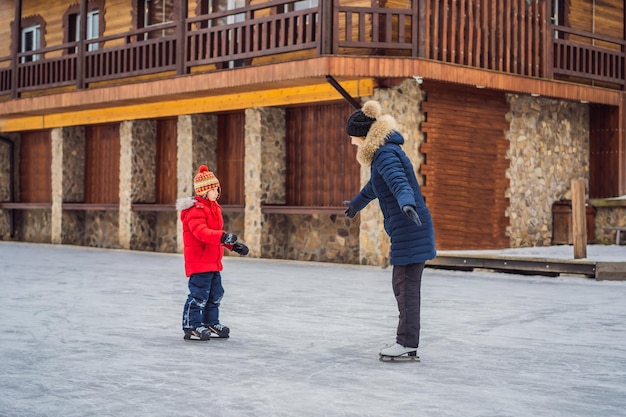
x=515 y=37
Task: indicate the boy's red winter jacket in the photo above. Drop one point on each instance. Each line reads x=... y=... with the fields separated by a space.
x=202 y=234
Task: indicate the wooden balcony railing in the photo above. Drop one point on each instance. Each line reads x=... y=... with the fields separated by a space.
x=513 y=37
x=589 y=56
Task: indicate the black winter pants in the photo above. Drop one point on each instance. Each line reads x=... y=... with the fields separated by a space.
x=407 y=283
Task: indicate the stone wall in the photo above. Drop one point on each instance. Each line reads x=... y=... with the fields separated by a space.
x=613 y=216
x=5 y=185
x=102 y=229
x=166 y=232
x=322 y=237
x=33 y=225
x=549 y=146
x=68 y=184
x=234 y=222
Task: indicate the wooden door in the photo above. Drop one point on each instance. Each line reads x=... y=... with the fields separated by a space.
x=102 y=164
x=35 y=170
x=166 y=161
x=230 y=157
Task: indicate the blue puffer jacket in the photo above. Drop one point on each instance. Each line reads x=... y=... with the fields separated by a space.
x=394 y=184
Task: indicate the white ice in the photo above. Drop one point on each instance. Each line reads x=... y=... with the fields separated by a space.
x=94 y=332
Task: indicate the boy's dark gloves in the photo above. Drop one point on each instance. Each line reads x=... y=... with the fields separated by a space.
x=350 y=211
x=229 y=238
x=241 y=249
x=410 y=212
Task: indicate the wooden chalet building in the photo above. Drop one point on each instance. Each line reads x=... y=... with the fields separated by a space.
x=107 y=108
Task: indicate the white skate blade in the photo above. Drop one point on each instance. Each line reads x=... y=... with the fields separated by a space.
x=401 y=358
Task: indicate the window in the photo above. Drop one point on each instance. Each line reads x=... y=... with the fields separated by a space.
x=213 y=6
x=154 y=13
x=93 y=28
x=558 y=16
x=31 y=41
x=300 y=5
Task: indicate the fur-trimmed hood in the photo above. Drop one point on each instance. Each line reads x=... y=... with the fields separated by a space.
x=184 y=203
x=377 y=136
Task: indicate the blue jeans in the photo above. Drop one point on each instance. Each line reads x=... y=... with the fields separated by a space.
x=203 y=301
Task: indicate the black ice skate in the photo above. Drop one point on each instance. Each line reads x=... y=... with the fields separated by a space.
x=199 y=334
x=220 y=331
x=399 y=353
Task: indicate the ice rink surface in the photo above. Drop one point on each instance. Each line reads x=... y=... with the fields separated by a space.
x=94 y=332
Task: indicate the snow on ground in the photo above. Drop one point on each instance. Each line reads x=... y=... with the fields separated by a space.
x=94 y=332
x=596 y=253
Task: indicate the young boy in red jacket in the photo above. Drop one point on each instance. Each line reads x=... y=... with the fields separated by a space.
x=204 y=240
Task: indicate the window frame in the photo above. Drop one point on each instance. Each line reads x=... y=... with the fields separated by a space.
x=71 y=25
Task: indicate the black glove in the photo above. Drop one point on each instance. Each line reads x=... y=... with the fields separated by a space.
x=241 y=249
x=350 y=211
x=229 y=238
x=410 y=212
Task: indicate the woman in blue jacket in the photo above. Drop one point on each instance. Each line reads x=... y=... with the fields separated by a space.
x=407 y=219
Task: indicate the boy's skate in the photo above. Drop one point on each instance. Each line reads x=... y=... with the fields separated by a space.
x=220 y=331
x=399 y=353
x=199 y=334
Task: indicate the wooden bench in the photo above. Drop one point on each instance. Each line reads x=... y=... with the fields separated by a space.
x=617 y=229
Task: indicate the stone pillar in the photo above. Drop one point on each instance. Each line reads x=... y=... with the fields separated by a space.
x=126 y=162
x=137 y=183
x=56 y=220
x=197 y=140
x=265 y=170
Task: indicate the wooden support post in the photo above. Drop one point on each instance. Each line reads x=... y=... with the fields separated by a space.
x=579 y=227
x=16 y=38
x=418 y=49
x=80 y=55
x=327 y=11
x=181 y=12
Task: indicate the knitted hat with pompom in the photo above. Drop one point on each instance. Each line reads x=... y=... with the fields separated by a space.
x=204 y=181
x=360 y=121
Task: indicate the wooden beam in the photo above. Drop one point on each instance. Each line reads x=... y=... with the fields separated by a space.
x=210 y=104
x=579 y=228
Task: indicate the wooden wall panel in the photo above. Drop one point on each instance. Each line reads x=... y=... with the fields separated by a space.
x=604 y=154
x=604 y=17
x=465 y=165
x=102 y=164
x=35 y=170
x=166 y=161
x=322 y=170
x=6 y=17
x=231 y=157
